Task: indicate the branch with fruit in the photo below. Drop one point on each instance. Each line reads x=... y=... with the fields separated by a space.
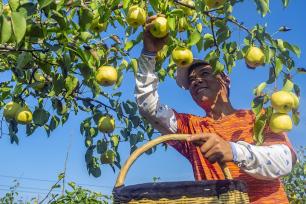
x=70 y=57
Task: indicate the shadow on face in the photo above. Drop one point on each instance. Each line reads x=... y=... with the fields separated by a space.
x=205 y=87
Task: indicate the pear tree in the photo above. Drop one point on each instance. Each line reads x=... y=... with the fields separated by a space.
x=72 y=56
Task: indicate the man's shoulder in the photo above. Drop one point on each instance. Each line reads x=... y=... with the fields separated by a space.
x=189 y=116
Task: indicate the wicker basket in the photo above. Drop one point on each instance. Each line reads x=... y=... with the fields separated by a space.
x=216 y=191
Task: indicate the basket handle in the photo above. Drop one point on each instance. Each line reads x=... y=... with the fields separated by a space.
x=149 y=145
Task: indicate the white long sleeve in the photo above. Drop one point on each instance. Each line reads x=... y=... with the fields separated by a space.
x=160 y=116
x=262 y=162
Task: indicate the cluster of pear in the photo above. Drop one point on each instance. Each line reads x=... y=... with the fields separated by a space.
x=181 y=55
x=14 y=111
x=106 y=76
x=282 y=102
x=136 y=16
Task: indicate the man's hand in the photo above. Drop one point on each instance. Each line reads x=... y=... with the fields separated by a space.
x=213 y=147
x=151 y=43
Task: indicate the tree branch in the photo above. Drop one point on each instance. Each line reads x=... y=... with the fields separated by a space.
x=7 y=48
x=213 y=33
x=240 y=25
x=30 y=82
x=50 y=191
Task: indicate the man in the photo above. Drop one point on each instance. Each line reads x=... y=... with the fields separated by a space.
x=225 y=134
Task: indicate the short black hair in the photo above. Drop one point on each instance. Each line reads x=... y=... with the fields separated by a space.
x=197 y=64
x=204 y=63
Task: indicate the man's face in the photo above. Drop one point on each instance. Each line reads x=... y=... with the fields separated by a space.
x=204 y=86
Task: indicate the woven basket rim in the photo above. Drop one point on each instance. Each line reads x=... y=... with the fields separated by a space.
x=175 y=190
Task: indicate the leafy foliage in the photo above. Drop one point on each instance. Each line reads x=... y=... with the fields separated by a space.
x=75 y=194
x=295 y=181
x=66 y=42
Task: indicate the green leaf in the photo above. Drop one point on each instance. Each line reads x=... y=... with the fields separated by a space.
x=101 y=146
x=176 y=12
x=19 y=25
x=288 y=85
x=285 y=3
x=209 y=41
x=27 y=9
x=14 y=4
x=85 y=36
x=257 y=104
x=134 y=65
x=301 y=70
x=6 y=29
x=40 y=116
x=295 y=117
x=115 y=140
x=194 y=38
x=44 y=3
x=23 y=59
x=128 y=45
x=61 y=176
x=199 y=27
x=71 y=83
x=219 y=67
x=85 y=18
x=54 y=122
x=260 y=88
x=125 y=4
x=293 y=48
x=260 y=123
x=278 y=66
x=262 y=6
x=171 y=23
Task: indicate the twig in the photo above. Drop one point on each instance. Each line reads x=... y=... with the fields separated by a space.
x=213 y=33
x=30 y=82
x=87 y=99
x=1 y=130
x=45 y=61
x=65 y=168
x=240 y=25
x=193 y=7
x=23 y=50
x=50 y=191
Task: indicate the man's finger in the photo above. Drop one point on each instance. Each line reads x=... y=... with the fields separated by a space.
x=215 y=157
x=198 y=137
x=148 y=26
x=207 y=146
x=151 y=18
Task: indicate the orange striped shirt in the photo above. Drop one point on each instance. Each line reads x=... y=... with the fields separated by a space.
x=234 y=127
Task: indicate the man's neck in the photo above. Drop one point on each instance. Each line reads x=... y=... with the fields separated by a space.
x=220 y=109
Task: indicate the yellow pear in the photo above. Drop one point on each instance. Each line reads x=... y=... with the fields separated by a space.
x=108 y=157
x=7 y=10
x=97 y=26
x=10 y=110
x=254 y=57
x=24 y=116
x=280 y=122
x=188 y=11
x=296 y=101
x=106 y=75
x=182 y=24
x=136 y=16
x=214 y=3
x=39 y=81
x=182 y=57
x=106 y=124
x=160 y=27
x=282 y=101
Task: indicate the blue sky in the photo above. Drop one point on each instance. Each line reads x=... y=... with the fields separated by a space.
x=43 y=158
